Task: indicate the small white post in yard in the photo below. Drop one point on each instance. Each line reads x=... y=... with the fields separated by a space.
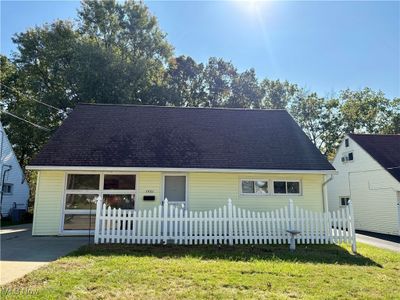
x=353 y=229
x=293 y=232
x=99 y=203
x=165 y=221
x=230 y=222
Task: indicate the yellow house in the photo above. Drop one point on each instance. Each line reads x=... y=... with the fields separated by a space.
x=133 y=157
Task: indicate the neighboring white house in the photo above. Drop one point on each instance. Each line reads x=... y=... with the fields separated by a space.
x=368 y=168
x=13 y=186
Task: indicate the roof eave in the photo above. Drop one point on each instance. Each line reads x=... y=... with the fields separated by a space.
x=200 y=170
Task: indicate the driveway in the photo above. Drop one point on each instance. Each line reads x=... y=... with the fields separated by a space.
x=22 y=253
x=379 y=240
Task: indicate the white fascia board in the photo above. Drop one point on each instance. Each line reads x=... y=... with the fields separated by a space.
x=200 y=170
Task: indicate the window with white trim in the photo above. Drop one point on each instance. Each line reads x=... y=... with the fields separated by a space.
x=283 y=187
x=254 y=187
x=116 y=190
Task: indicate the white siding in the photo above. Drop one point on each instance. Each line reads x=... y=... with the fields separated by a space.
x=371 y=188
x=20 y=189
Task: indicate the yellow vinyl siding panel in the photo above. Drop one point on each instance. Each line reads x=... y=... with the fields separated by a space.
x=204 y=191
x=212 y=190
x=149 y=183
x=48 y=203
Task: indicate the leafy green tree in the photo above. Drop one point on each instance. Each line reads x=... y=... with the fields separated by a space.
x=115 y=53
x=277 y=94
x=320 y=120
x=186 y=82
x=393 y=124
x=364 y=110
x=219 y=76
x=246 y=91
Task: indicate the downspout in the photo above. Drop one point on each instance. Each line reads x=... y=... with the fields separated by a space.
x=2 y=184
x=325 y=194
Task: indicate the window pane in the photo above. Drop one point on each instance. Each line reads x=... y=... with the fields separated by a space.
x=248 y=187
x=79 y=222
x=261 y=187
x=83 y=182
x=293 y=187
x=80 y=201
x=351 y=156
x=119 y=182
x=120 y=201
x=7 y=188
x=280 y=187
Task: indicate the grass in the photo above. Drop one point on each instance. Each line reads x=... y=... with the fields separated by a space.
x=214 y=272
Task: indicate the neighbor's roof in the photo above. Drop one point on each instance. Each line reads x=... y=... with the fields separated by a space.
x=384 y=148
x=99 y=135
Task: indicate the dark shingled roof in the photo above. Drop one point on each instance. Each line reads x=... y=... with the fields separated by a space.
x=100 y=135
x=385 y=149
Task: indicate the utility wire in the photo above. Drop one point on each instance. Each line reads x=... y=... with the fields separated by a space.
x=22 y=119
x=43 y=103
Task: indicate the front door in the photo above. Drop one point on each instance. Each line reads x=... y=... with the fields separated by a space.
x=175 y=189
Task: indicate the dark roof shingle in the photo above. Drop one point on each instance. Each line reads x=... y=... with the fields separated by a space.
x=384 y=148
x=171 y=137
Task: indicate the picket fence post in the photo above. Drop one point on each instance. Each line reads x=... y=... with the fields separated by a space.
x=291 y=215
x=230 y=222
x=99 y=203
x=353 y=229
x=165 y=222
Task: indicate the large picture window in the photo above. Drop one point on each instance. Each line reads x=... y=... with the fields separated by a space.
x=82 y=190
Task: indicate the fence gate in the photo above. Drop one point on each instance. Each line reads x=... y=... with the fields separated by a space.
x=226 y=225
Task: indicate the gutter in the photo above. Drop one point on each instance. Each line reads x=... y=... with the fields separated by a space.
x=325 y=193
x=202 y=170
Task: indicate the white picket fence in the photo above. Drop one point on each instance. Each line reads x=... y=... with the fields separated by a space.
x=226 y=225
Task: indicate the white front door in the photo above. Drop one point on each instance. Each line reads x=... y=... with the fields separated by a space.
x=175 y=189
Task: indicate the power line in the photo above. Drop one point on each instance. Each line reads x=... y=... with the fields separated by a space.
x=43 y=103
x=22 y=119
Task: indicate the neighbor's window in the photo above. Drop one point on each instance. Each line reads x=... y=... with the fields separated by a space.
x=346 y=142
x=7 y=188
x=350 y=156
x=287 y=187
x=255 y=187
x=344 y=201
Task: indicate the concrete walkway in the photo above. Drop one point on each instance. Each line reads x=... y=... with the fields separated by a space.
x=380 y=241
x=22 y=253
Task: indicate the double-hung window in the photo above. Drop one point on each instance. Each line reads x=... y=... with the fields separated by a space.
x=82 y=190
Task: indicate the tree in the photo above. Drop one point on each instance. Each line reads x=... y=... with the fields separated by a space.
x=186 y=82
x=364 y=111
x=246 y=91
x=320 y=120
x=115 y=53
x=219 y=76
x=277 y=94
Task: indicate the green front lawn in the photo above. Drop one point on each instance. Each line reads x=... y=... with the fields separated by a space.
x=213 y=272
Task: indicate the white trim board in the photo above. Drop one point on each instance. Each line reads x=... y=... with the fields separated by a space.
x=200 y=170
